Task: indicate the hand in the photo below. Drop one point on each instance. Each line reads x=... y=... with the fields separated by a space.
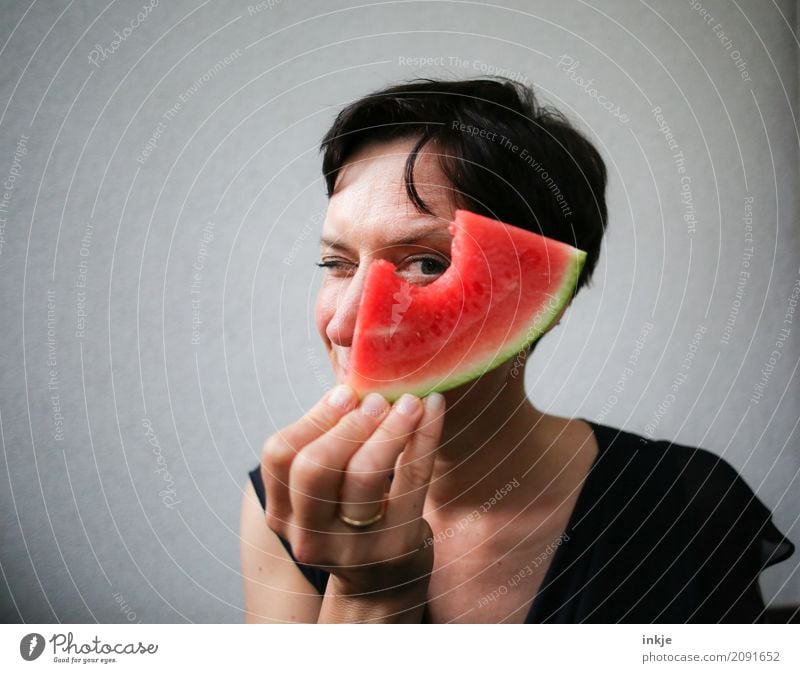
x=341 y=454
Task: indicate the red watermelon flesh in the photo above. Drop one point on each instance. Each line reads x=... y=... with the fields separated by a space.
x=504 y=287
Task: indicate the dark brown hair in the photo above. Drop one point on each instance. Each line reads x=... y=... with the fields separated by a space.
x=507 y=156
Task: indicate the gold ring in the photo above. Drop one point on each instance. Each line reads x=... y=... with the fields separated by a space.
x=366 y=522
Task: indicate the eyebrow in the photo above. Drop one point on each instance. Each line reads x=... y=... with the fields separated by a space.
x=412 y=239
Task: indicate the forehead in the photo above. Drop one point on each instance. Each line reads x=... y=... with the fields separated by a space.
x=370 y=201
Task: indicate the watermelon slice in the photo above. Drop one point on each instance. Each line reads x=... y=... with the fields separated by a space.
x=504 y=287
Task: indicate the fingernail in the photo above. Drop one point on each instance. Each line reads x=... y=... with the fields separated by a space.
x=434 y=403
x=407 y=405
x=341 y=397
x=374 y=404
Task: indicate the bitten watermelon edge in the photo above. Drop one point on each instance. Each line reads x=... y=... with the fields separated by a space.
x=503 y=289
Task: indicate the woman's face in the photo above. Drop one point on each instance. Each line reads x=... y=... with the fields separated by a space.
x=369 y=217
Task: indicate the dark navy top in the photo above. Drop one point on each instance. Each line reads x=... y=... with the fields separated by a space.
x=660 y=533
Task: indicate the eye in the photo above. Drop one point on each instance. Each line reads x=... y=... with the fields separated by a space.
x=423 y=268
x=338 y=267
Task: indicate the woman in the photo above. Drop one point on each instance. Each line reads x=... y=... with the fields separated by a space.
x=496 y=511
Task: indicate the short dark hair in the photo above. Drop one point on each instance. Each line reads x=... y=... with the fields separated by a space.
x=507 y=156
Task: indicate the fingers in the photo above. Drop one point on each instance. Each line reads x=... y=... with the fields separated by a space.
x=281 y=449
x=415 y=464
x=315 y=479
x=340 y=453
x=366 y=478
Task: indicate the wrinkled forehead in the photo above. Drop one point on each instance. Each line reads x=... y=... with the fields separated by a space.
x=370 y=201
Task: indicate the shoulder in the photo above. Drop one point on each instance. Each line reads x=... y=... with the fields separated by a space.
x=700 y=470
x=677 y=533
x=700 y=488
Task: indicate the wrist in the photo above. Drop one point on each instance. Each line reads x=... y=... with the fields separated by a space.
x=402 y=603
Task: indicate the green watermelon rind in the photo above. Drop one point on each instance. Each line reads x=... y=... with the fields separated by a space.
x=531 y=332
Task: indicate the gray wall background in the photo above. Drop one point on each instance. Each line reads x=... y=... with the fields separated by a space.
x=129 y=422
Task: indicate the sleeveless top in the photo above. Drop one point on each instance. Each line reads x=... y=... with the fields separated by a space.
x=660 y=533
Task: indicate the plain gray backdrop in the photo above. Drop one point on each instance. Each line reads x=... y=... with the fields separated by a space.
x=161 y=205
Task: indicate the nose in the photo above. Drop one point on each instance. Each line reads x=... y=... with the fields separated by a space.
x=341 y=327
